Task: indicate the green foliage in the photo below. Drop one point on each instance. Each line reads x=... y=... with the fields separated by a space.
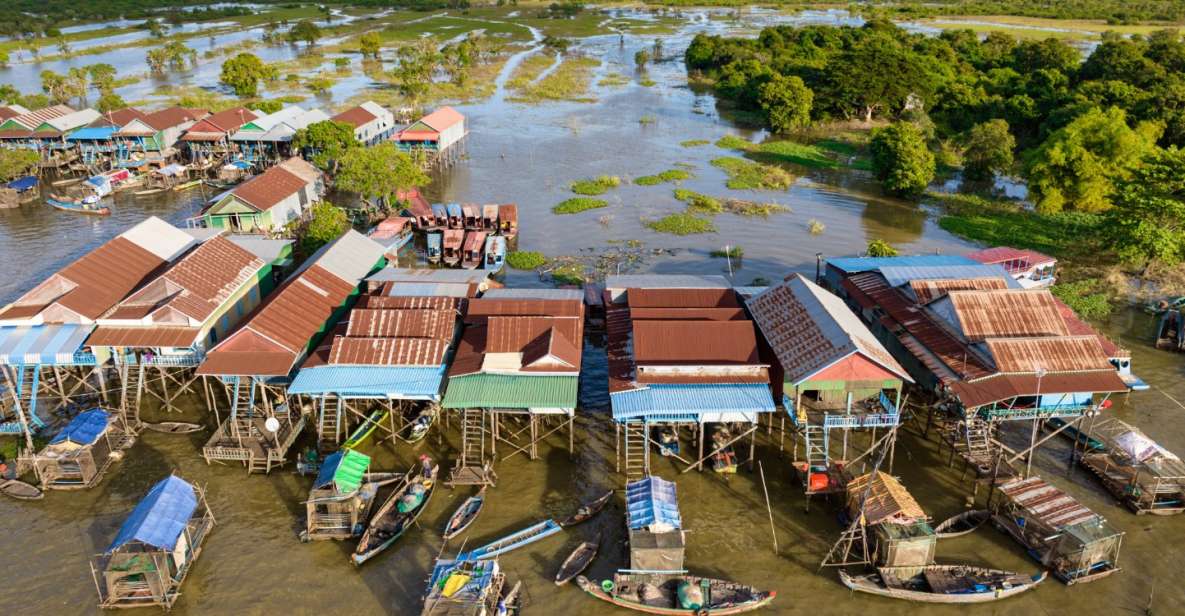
x=341 y=62
x=174 y=55
x=733 y=142
x=325 y=142
x=305 y=31
x=576 y=205
x=987 y=150
x=16 y=162
x=694 y=143
x=743 y=174
x=699 y=202
x=327 y=223
x=243 y=73
x=370 y=44
x=1088 y=298
x=1079 y=165
x=110 y=101
x=1148 y=222
x=734 y=252
x=525 y=259
x=556 y=43
x=753 y=208
x=901 y=160
x=266 y=106
x=670 y=175
x=786 y=102
x=413 y=73
x=102 y=76
x=569 y=274
x=803 y=154
x=997 y=223
x=379 y=172
x=595 y=186
x=641 y=58
x=682 y=224
x=881 y=248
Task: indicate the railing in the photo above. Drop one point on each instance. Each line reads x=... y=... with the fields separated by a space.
x=1042 y=412
x=861 y=420
x=188 y=360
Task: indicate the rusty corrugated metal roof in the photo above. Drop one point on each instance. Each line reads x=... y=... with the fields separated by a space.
x=143 y=337
x=1078 y=327
x=355 y=116
x=688 y=314
x=1046 y=503
x=470 y=352
x=1004 y=314
x=479 y=309
x=932 y=289
x=516 y=335
x=1003 y=387
x=387 y=351
x=397 y=323
x=1062 y=354
x=433 y=302
x=269 y=188
x=681 y=298
x=694 y=342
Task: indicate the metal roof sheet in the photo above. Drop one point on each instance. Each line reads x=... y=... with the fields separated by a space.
x=980 y=315
x=269 y=188
x=388 y=382
x=809 y=329
x=143 y=337
x=511 y=391
x=693 y=399
x=852 y=265
x=1003 y=387
x=159 y=519
x=356 y=351
x=681 y=298
x=688 y=314
x=92 y=133
x=84 y=429
x=399 y=274
x=1046 y=503
x=1060 y=354
x=694 y=342
x=548 y=294
x=404 y=323
x=480 y=309
x=344 y=470
x=929 y=290
x=424 y=289
x=652 y=502
x=1013 y=259
x=159 y=237
x=899 y=275
x=441 y=119
x=429 y=302
x=42 y=344
x=356 y=116
x=665 y=281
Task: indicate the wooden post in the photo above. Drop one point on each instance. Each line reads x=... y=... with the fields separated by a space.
x=1032 y=445
x=769 y=510
x=699 y=465
x=534 y=435
x=617 y=446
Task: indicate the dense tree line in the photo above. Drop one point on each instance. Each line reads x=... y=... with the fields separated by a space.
x=1113 y=11
x=1080 y=131
x=41 y=17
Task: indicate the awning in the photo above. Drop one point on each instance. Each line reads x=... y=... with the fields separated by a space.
x=92 y=133
x=511 y=391
x=23 y=184
x=42 y=344
x=160 y=518
x=1007 y=386
x=651 y=503
x=343 y=470
x=704 y=402
x=392 y=382
x=84 y=429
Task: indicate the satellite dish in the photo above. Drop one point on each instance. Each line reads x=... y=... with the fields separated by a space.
x=272 y=424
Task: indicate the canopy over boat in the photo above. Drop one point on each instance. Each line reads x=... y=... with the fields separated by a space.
x=160 y=518
x=84 y=429
x=342 y=470
x=23 y=184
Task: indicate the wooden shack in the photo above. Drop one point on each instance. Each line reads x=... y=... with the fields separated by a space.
x=1140 y=473
x=901 y=532
x=79 y=455
x=340 y=501
x=657 y=542
x=155 y=548
x=1077 y=544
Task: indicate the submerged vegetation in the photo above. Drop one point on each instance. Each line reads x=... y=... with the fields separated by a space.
x=525 y=259
x=595 y=186
x=743 y=174
x=670 y=175
x=682 y=223
x=576 y=205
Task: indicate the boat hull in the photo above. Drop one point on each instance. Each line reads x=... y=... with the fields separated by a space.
x=596 y=591
x=66 y=206
x=872 y=585
x=465 y=515
x=389 y=510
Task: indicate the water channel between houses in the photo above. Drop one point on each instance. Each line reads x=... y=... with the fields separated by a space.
x=253 y=562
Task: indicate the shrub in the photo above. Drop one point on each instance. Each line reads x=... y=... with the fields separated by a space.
x=743 y=174
x=526 y=259
x=735 y=252
x=670 y=175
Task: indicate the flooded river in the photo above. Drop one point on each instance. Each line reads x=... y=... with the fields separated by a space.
x=253 y=562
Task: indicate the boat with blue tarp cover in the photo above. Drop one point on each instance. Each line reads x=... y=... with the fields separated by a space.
x=25 y=187
x=464 y=587
x=456 y=216
x=79 y=454
x=155 y=548
x=495 y=253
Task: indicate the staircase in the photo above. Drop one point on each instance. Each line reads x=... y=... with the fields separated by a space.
x=977 y=436
x=637 y=450
x=244 y=404
x=472 y=438
x=817 y=456
x=329 y=425
x=28 y=383
x=131 y=392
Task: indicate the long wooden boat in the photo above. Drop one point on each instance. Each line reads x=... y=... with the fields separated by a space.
x=395 y=516
x=943 y=583
x=473 y=253
x=1074 y=434
x=363 y=432
x=418 y=428
x=187 y=185
x=962 y=524
x=174 y=427
x=669 y=593
x=68 y=181
x=20 y=490
x=77 y=207
x=587 y=511
x=464 y=516
x=576 y=562
x=453 y=239
x=514 y=541
x=147 y=192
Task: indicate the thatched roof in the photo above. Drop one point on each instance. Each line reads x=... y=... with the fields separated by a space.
x=888 y=500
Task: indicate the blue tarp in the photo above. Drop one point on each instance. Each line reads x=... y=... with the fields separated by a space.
x=454 y=209
x=23 y=184
x=241 y=164
x=160 y=518
x=853 y=265
x=92 y=133
x=651 y=501
x=44 y=344
x=84 y=429
x=395 y=382
x=697 y=402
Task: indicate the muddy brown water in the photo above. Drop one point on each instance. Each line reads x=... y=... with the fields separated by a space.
x=253 y=562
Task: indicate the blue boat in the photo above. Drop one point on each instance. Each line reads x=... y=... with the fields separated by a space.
x=512 y=542
x=456 y=216
x=439 y=215
x=495 y=253
x=78 y=206
x=434 y=246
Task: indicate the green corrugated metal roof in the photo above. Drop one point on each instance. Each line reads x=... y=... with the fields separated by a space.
x=350 y=470
x=510 y=391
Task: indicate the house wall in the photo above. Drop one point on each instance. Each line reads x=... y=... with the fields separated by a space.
x=452 y=134
x=238 y=306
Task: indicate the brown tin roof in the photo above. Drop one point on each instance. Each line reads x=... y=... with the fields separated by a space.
x=432 y=302
x=1063 y=354
x=682 y=298
x=269 y=188
x=930 y=290
x=388 y=323
x=479 y=309
x=174 y=116
x=688 y=314
x=143 y=337
x=694 y=342
x=1007 y=313
x=354 y=116
x=388 y=351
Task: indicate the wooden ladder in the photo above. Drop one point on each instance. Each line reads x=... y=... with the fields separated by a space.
x=472 y=438
x=977 y=435
x=132 y=392
x=818 y=457
x=329 y=426
x=29 y=381
x=637 y=450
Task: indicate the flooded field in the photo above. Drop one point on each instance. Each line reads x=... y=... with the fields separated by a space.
x=253 y=562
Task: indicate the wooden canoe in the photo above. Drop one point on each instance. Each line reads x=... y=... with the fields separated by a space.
x=149 y=192
x=465 y=514
x=576 y=562
x=363 y=431
x=963 y=584
x=513 y=541
x=70 y=206
x=959 y=525
x=511 y=603
x=418 y=428
x=388 y=524
x=174 y=427
x=657 y=594
x=20 y=490
x=187 y=185
x=587 y=511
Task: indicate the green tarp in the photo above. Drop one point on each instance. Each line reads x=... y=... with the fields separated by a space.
x=510 y=391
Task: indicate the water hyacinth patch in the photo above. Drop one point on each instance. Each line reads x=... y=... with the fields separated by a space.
x=576 y=205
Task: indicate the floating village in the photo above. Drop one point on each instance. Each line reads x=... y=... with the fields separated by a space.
x=305 y=365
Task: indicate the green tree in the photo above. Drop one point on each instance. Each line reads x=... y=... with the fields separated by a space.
x=17 y=162
x=987 y=150
x=881 y=248
x=1147 y=223
x=370 y=44
x=876 y=76
x=3 y=57
x=378 y=172
x=327 y=223
x=102 y=76
x=414 y=71
x=110 y=101
x=243 y=73
x=641 y=58
x=305 y=30
x=266 y=107
x=325 y=142
x=901 y=160
x=1078 y=166
x=59 y=88
x=786 y=102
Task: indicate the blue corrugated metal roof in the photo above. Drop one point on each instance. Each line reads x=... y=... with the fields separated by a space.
x=42 y=344
x=398 y=382
x=899 y=275
x=697 y=399
x=84 y=429
x=161 y=517
x=853 y=265
x=92 y=133
x=652 y=501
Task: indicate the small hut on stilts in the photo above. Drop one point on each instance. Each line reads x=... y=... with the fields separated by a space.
x=82 y=452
